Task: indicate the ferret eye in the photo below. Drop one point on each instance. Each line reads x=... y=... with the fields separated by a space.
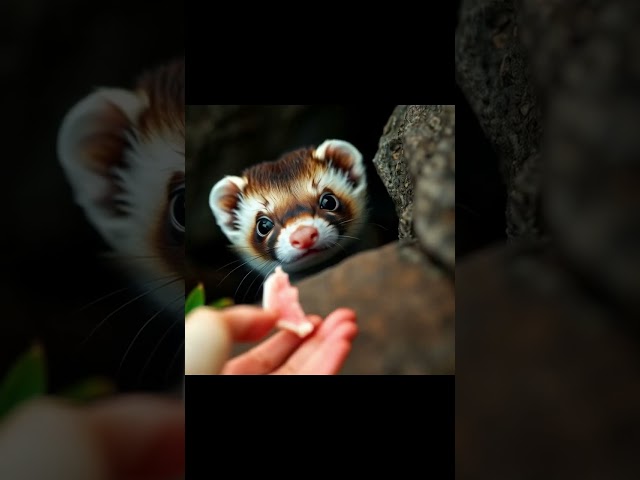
x=329 y=202
x=264 y=226
x=176 y=209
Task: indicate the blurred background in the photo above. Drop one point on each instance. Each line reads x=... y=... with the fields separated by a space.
x=53 y=54
x=547 y=311
x=225 y=139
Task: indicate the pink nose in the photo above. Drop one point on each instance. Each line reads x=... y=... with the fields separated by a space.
x=304 y=237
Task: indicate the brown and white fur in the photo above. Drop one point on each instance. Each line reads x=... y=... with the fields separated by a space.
x=123 y=153
x=294 y=195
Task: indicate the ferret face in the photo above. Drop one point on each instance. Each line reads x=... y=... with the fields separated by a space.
x=123 y=154
x=297 y=211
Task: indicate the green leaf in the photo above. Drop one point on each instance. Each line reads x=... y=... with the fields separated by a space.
x=27 y=378
x=195 y=299
x=89 y=389
x=221 y=303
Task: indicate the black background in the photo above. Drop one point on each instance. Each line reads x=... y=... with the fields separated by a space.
x=53 y=54
x=403 y=425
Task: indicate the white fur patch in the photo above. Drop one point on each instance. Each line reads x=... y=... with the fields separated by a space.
x=143 y=180
x=224 y=218
x=357 y=166
x=150 y=165
x=338 y=181
x=91 y=117
x=246 y=219
x=327 y=237
x=292 y=257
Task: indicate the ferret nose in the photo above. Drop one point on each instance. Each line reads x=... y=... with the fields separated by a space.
x=304 y=237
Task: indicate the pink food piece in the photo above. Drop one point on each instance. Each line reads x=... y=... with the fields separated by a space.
x=279 y=295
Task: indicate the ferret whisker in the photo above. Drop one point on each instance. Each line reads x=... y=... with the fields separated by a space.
x=241 y=259
x=246 y=261
x=155 y=315
x=364 y=223
x=252 y=282
x=261 y=269
x=147 y=292
x=241 y=282
x=347 y=236
x=376 y=224
x=259 y=255
x=155 y=349
x=120 y=290
x=230 y=263
x=241 y=265
x=339 y=245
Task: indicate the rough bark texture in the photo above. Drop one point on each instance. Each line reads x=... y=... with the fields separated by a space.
x=551 y=330
x=416 y=162
x=493 y=71
x=580 y=57
x=394 y=171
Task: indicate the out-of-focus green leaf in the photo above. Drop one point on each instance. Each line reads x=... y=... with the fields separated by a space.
x=221 y=303
x=27 y=378
x=89 y=389
x=195 y=299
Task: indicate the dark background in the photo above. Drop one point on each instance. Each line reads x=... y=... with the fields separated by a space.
x=408 y=417
x=53 y=54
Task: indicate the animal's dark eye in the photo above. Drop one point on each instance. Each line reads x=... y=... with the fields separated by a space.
x=329 y=202
x=176 y=210
x=264 y=226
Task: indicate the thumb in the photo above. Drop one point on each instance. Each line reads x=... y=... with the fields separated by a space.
x=207 y=342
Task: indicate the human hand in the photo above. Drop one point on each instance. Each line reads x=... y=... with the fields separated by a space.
x=127 y=437
x=210 y=333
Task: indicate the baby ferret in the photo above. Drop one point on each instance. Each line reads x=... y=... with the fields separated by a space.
x=297 y=211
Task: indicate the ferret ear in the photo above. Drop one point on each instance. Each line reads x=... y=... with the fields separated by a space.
x=224 y=202
x=91 y=144
x=344 y=156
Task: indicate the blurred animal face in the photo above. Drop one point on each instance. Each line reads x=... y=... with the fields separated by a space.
x=123 y=154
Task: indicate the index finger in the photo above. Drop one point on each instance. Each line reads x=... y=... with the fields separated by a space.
x=247 y=323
